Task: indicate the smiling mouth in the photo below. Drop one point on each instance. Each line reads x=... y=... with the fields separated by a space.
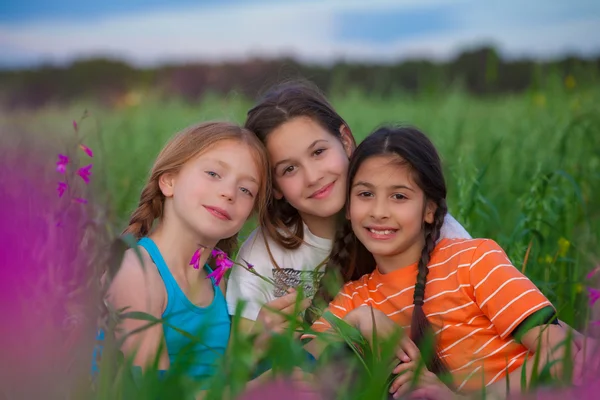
x=323 y=192
x=218 y=212
x=381 y=233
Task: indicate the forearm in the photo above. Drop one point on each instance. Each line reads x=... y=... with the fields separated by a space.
x=500 y=389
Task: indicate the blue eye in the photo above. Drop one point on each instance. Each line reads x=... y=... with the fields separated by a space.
x=246 y=191
x=212 y=174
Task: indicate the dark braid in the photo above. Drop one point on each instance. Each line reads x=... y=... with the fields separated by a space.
x=339 y=260
x=420 y=326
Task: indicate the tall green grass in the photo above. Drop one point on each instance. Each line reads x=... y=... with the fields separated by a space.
x=523 y=170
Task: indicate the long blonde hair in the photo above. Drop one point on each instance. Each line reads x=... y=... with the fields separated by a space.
x=183 y=147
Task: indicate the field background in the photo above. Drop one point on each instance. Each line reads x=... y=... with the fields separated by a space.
x=523 y=169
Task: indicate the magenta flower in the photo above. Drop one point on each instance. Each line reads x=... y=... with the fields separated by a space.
x=80 y=200
x=223 y=264
x=87 y=150
x=248 y=265
x=195 y=261
x=61 y=164
x=594 y=295
x=84 y=173
x=593 y=272
x=62 y=188
x=596 y=323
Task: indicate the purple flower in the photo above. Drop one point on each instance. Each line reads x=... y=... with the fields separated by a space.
x=80 y=200
x=61 y=164
x=84 y=173
x=62 y=188
x=593 y=272
x=218 y=274
x=594 y=295
x=223 y=264
x=248 y=265
x=195 y=261
x=87 y=150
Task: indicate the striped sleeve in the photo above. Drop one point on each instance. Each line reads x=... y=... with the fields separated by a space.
x=502 y=292
x=340 y=306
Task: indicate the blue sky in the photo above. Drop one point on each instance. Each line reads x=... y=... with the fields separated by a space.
x=150 y=32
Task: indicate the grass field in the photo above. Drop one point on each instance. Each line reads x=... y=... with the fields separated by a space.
x=523 y=169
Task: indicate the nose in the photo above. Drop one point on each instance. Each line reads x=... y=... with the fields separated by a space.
x=228 y=191
x=312 y=176
x=379 y=209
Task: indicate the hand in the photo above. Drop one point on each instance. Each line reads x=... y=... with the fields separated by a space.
x=363 y=319
x=586 y=363
x=428 y=385
x=273 y=315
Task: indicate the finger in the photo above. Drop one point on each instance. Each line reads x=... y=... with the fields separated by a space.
x=402 y=367
x=282 y=302
x=401 y=381
x=401 y=355
x=410 y=348
x=304 y=304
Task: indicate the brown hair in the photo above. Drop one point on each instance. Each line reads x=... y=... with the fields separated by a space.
x=350 y=257
x=183 y=147
x=280 y=104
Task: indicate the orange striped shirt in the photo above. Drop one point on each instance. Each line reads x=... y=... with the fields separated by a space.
x=474 y=299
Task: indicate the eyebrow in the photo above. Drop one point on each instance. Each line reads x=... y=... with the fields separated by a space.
x=371 y=186
x=227 y=166
x=312 y=145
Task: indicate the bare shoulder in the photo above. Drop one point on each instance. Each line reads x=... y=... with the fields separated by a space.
x=137 y=280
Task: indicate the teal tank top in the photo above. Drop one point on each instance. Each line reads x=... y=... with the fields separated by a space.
x=211 y=324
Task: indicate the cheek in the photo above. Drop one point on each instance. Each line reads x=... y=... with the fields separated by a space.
x=356 y=211
x=245 y=207
x=338 y=163
x=290 y=187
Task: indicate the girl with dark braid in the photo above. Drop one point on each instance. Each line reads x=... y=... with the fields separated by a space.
x=485 y=316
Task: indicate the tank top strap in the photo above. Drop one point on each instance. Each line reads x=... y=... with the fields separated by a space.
x=161 y=265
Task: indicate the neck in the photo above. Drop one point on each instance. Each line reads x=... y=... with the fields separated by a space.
x=177 y=246
x=407 y=256
x=319 y=226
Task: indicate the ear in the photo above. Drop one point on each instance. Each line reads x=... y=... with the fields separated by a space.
x=347 y=139
x=277 y=194
x=166 y=183
x=430 y=210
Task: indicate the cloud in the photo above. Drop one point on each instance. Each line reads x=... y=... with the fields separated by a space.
x=313 y=31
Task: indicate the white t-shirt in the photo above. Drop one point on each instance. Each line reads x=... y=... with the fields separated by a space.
x=295 y=267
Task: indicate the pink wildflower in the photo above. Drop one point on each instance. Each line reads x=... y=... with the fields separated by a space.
x=61 y=164
x=593 y=272
x=62 y=188
x=80 y=200
x=84 y=173
x=87 y=150
x=223 y=264
x=195 y=261
x=594 y=295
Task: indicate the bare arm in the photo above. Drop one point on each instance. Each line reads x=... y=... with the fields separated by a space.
x=140 y=289
x=552 y=347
